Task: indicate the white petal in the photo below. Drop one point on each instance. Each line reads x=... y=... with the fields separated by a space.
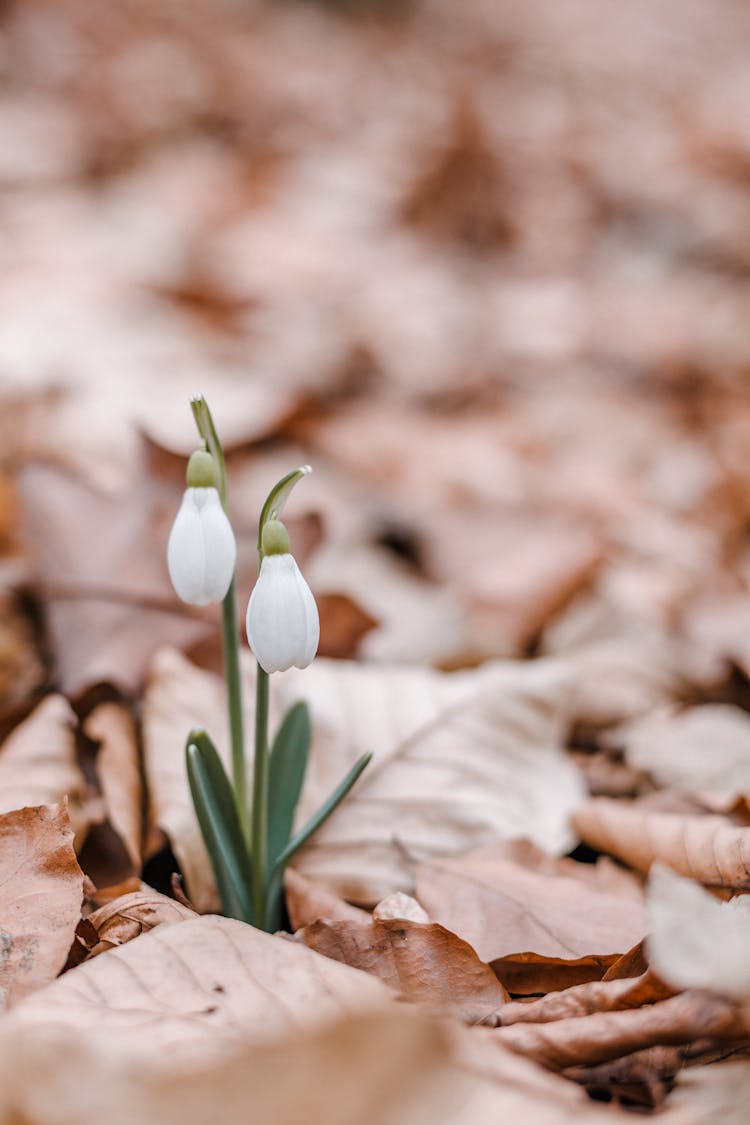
x=201 y=553
x=283 y=627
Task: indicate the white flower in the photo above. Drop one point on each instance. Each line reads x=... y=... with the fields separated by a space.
x=283 y=627
x=201 y=553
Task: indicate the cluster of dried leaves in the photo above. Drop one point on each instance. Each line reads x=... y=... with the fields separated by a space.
x=485 y=267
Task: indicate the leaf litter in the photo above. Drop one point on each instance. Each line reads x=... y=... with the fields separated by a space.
x=514 y=346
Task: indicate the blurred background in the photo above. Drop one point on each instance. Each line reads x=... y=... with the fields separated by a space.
x=485 y=265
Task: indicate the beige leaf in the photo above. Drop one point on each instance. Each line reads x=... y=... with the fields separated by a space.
x=459 y=760
x=710 y=1094
x=38 y=764
x=193 y=988
x=510 y=899
x=702 y=748
x=380 y=1067
x=41 y=890
x=706 y=848
x=112 y=726
x=695 y=941
x=306 y=902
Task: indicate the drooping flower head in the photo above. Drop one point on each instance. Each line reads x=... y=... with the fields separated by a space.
x=283 y=627
x=202 y=551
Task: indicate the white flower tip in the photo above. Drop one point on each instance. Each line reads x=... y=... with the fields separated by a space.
x=202 y=552
x=305 y=470
x=283 y=627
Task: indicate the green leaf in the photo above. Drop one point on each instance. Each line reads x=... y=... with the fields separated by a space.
x=286 y=774
x=207 y=429
x=322 y=815
x=220 y=826
x=277 y=498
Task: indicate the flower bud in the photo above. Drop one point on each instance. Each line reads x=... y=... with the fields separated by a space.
x=201 y=553
x=283 y=627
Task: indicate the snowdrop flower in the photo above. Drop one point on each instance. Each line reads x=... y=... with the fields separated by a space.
x=283 y=627
x=201 y=553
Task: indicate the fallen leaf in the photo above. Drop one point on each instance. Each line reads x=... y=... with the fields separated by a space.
x=710 y=1094
x=107 y=598
x=38 y=765
x=117 y=765
x=307 y=902
x=459 y=760
x=695 y=941
x=583 y=1000
x=588 y=1040
x=706 y=848
x=422 y=960
x=194 y=988
x=41 y=890
x=508 y=899
x=672 y=745
x=131 y=915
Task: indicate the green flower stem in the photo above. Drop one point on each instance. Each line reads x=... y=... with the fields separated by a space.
x=230 y=630
x=231 y=636
x=259 y=844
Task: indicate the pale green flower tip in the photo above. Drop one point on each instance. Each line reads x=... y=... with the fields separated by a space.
x=201 y=470
x=275 y=538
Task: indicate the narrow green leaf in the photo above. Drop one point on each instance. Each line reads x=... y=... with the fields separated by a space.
x=219 y=824
x=277 y=498
x=286 y=774
x=321 y=816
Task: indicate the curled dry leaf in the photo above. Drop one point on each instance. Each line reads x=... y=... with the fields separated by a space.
x=695 y=941
x=583 y=1000
x=41 y=889
x=113 y=727
x=421 y=960
x=589 y=1040
x=706 y=848
x=38 y=765
x=508 y=899
x=130 y=916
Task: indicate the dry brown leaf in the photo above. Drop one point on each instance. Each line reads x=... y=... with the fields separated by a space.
x=421 y=960
x=695 y=941
x=701 y=748
x=583 y=1000
x=508 y=899
x=589 y=1040
x=113 y=727
x=41 y=890
x=38 y=765
x=705 y=848
x=21 y=669
x=131 y=915
x=307 y=902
